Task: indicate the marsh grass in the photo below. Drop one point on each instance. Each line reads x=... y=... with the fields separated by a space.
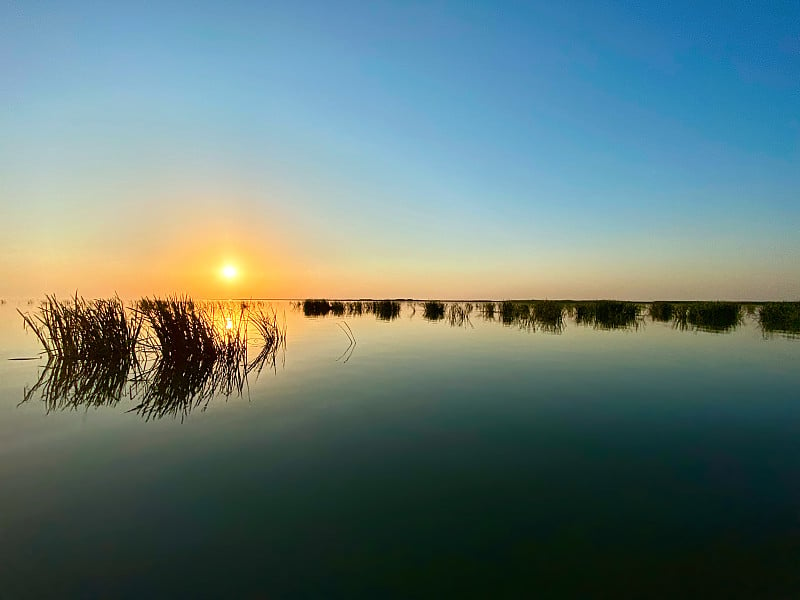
x=458 y=314
x=487 y=310
x=83 y=330
x=316 y=308
x=171 y=355
x=780 y=317
x=385 y=310
x=194 y=352
x=661 y=311
x=713 y=317
x=517 y=313
x=90 y=348
x=355 y=308
x=548 y=315
x=607 y=314
x=433 y=310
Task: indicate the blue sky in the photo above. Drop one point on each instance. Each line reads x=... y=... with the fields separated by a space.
x=437 y=149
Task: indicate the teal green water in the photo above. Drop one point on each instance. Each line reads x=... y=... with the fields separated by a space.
x=437 y=461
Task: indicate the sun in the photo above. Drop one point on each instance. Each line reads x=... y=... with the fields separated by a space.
x=229 y=272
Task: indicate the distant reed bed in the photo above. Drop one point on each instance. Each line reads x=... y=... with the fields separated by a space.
x=780 y=317
x=433 y=310
x=714 y=317
x=386 y=310
x=607 y=314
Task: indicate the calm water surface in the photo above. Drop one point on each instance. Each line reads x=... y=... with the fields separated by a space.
x=438 y=460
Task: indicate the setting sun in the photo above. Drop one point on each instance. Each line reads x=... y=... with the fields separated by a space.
x=229 y=271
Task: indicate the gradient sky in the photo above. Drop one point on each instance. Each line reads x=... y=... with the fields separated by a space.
x=401 y=149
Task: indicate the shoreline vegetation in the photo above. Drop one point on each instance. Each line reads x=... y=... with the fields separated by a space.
x=171 y=355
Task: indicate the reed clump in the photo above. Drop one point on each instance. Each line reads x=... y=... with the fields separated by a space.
x=433 y=310
x=714 y=317
x=355 y=308
x=90 y=347
x=780 y=317
x=202 y=352
x=458 y=314
x=517 y=313
x=607 y=314
x=661 y=311
x=179 y=330
x=170 y=354
x=191 y=358
x=548 y=315
x=385 y=310
x=487 y=310
x=509 y=311
x=316 y=308
x=85 y=330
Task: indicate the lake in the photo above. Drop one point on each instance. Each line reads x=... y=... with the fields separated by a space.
x=425 y=460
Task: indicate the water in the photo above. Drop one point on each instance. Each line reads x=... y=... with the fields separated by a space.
x=482 y=460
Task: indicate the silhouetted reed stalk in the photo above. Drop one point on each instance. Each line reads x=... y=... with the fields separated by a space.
x=348 y=353
x=271 y=337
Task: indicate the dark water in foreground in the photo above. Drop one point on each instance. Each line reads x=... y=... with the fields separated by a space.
x=461 y=461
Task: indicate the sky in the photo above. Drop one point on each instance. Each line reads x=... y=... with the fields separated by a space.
x=642 y=150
